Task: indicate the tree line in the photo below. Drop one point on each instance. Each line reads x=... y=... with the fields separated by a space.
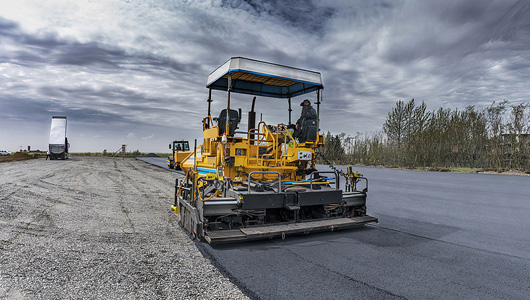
x=495 y=137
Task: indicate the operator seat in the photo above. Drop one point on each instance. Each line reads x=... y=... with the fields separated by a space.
x=233 y=121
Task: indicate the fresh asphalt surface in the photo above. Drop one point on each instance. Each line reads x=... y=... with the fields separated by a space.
x=159 y=162
x=440 y=235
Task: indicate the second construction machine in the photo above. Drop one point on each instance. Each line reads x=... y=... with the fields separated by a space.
x=262 y=182
x=179 y=151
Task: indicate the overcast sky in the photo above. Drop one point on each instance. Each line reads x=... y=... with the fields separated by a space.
x=134 y=72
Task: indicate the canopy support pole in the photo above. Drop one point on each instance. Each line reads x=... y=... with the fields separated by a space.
x=228 y=105
x=209 y=100
x=318 y=110
x=290 y=110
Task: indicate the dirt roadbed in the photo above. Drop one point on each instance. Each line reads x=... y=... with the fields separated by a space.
x=97 y=228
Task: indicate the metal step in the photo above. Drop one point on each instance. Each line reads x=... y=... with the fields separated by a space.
x=272 y=231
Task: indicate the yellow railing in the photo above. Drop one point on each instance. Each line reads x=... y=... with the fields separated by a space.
x=270 y=139
x=207 y=122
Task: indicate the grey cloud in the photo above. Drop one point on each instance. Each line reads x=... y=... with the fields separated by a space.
x=301 y=14
x=49 y=49
x=125 y=106
x=456 y=29
x=218 y=38
x=514 y=24
x=123 y=99
x=161 y=62
x=462 y=12
x=7 y=25
x=40 y=111
x=89 y=54
x=28 y=58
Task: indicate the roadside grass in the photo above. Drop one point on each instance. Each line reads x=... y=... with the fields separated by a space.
x=465 y=170
x=468 y=170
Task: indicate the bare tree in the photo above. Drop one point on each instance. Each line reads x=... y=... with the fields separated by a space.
x=412 y=136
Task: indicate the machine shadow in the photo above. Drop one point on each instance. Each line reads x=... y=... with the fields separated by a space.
x=391 y=232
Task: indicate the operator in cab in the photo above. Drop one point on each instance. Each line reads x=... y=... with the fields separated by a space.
x=306 y=126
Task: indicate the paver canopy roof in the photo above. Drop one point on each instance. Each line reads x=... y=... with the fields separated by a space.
x=264 y=79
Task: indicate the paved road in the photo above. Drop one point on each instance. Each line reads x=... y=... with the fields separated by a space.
x=440 y=235
x=159 y=162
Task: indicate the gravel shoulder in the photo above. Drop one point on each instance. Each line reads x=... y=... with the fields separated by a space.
x=97 y=228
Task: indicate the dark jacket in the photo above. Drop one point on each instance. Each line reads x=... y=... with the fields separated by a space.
x=308 y=113
x=306 y=124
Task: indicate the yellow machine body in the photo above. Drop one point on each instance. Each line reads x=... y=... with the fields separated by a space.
x=266 y=151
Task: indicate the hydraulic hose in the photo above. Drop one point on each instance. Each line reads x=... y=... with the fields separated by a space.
x=199 y=193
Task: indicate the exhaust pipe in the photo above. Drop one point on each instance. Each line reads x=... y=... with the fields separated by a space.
x=252 y=121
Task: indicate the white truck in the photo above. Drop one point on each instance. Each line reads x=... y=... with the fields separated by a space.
x=58 y=145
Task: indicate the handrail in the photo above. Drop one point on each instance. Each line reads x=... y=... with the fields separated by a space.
x=260 y=137
x=286 y=130
x=286 y=133
x=274 y=142
x=257 y=135
x=209 y=118
x=365 y=186
x=265 y=172
x=261 y=133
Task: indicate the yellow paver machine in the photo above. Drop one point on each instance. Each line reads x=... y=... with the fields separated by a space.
x=262 y=182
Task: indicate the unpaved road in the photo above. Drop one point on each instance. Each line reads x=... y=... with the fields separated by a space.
x=97 y=228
